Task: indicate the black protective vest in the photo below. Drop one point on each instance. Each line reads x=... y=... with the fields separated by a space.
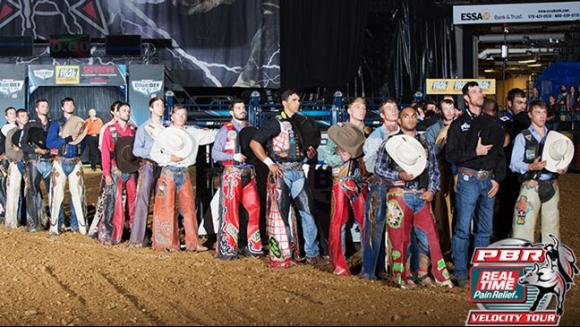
x=294 y=153
x=533 y=149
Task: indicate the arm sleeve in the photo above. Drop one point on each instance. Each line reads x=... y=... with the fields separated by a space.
x=434 y=174
x=53 y=141
x=217 y=152
x=370 y=149
x=139 y=149
x=456 y=152
x=203 y=136
x=106 y=152
x=517 y=164
x=266 y=132
x=24 y=145
x=329 y=156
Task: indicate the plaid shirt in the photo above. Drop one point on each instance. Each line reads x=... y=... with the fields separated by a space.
x=383 y=168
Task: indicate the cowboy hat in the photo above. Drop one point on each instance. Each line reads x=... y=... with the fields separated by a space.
x=558 y=151
x=172 y=141
x=75 y=125
x=408 y=153
x=37 y=135
x=126 y=161
x=12 y=139
x=310 y=133
x=489 y=129
x=348 y=138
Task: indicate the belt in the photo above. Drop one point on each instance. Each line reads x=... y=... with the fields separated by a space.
x=65 y=159
x=377 y=180
x=479 y=174
x=404 y=190
x=176 y=169
x=243 y=171
x=290 y=165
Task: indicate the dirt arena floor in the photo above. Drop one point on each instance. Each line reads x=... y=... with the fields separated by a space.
x=72 y=280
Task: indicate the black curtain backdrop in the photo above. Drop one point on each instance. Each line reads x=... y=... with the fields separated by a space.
x=99 y=98
x=321 y=41
x=407 y=41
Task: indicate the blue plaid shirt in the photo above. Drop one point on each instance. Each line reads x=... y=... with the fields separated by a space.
x=383 y=169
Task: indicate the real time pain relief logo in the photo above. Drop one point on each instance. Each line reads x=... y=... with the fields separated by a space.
x=515 y=282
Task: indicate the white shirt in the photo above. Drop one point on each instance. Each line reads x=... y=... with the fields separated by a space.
x=201 y=137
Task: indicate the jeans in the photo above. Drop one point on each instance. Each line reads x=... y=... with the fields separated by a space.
x=373 y=245
x=471 y=201
x=94 y=153
x=296 y=183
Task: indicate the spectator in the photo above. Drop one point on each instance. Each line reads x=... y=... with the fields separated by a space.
x=94 y=125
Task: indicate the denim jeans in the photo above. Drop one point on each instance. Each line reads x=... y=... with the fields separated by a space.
x=296 y=183
x=373 y=245
x=471 y=201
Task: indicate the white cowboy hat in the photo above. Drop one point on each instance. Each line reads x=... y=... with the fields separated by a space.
x=408 y=153
x=558 y=151
x=172 y=141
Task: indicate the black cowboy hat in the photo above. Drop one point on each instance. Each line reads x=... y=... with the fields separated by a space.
x=310 y=133
x=489 y=129
x=126 y=161
x=37 y=136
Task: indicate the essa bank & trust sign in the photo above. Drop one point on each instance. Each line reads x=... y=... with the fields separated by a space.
x=517 y=13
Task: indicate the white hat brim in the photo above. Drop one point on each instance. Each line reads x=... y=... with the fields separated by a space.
x=553 y=165
x=412 y=144
x=160 y=148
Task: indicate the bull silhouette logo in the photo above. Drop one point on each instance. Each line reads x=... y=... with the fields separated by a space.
x=555 y=277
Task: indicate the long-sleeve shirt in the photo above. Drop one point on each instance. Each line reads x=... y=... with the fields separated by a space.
x=217 y=152
x=431 y=135
x=144 y=140
x=108 y=146
x=94 y=126
x=202 y=137
x=517 y=164
x=461 y=148
x=372 y=145
x=384 y=169
x=102 y=131
x=29 y=147
x=55 y=142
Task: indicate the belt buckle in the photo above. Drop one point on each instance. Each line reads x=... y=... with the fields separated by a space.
x=482 y=174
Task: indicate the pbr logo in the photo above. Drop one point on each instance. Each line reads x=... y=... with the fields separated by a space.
x=515 y=282
x=10 y=86
x=44 y=73
x=147 y=87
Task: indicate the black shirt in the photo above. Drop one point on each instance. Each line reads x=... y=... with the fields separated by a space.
x=307 y=133
x=27 y=145
x=462 y=142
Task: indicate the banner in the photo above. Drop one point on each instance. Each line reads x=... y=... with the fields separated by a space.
x=12 y=92
x=76 y=75
x=450 y=86
x=517 y=13
x=217 y=43
x=145 y=82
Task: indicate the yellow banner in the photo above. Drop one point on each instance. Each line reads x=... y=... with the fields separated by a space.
x=453 y=86
x=68 y=74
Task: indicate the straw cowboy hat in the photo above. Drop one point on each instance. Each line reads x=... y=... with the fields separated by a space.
x=172 y=141
x=126 y=161
x=348 y=138
x=408 y=153
x=558 y=151
x=12 y=141
x=75 y=125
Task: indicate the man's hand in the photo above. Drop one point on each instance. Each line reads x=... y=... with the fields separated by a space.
x=562 y=171
x=494 y=188
x=275 y=170
x=537 y=165
x=239 y=157
x=108 y=180
x=427 y=196
x=175 y=158
x=482 y=150
x=310 y=152
x=344 y=156
x=406 y=176
x=41 y=151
